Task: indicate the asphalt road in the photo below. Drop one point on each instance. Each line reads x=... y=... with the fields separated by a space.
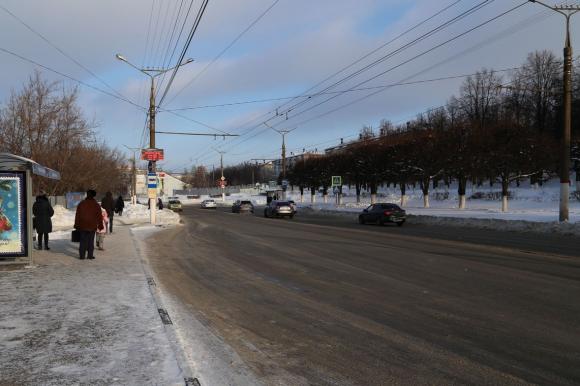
x=323 y=301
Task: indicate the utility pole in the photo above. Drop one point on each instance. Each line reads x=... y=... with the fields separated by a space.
x=567 y=11
x=222 y=179
x=133 y=175
x=152 y=73
x=283 y=134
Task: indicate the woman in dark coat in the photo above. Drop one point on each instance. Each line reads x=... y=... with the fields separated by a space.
x=119 y=206
x=42 y=211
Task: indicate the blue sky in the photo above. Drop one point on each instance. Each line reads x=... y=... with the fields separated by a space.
x=297 y=44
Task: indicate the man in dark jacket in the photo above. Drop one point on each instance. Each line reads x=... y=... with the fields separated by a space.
x=88 y=219
x=42 y=211
x=108 y=204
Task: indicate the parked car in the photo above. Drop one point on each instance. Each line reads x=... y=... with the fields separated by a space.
x=383 y=213
x=208 y=204
x=243 y=207
x=279 y=209
x=292 y=205
x=175 y=205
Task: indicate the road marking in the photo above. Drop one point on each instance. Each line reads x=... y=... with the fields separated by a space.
x=192 y=382
x=164 y=316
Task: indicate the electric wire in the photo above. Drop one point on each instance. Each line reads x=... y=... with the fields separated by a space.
x=61 y=51
x=184 y=51
x=223 y=51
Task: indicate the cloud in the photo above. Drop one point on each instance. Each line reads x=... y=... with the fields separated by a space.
x=295 y=46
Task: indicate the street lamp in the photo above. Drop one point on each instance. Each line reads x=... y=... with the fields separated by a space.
x=567 y=11
x=152 y=73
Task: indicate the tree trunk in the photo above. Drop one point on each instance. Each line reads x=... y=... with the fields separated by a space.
x=504 y=194
x=461 y=187
x=425 y=189
x=577 y=170
x=325 y=194
x=357 y=193
x=403 y=187
x=312 y=195
x=373 y=187
x=302 y=194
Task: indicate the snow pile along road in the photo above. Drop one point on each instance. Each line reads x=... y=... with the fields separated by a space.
x=139 y=214
x=63 y=218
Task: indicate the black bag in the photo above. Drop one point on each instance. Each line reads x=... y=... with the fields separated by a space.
x=75 y=236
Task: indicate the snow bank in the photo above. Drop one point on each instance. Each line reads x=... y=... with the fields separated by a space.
x=63 y=218
x=139 y=214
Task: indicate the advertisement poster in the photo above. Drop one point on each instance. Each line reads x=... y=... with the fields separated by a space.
x=73 y=199
x=13 y=228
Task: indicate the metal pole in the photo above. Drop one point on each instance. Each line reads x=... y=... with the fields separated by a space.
x=222 y=178
x=567 y=11
x=153 y=199
x=134 y=182
x=565 y=160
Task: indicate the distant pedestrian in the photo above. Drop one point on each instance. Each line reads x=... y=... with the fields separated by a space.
x=102 y=232
x=159 y=203
x=119 y=206
x=42 y=211
x=88 y=219
x=108 y=203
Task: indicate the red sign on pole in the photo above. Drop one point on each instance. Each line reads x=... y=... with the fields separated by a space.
x=152 y=154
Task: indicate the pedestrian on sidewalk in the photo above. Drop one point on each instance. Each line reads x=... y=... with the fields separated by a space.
x=119 y=206
x=102 y=232
x=108 y=203
x=42 y=211
x=88 y=219
x=159 y=203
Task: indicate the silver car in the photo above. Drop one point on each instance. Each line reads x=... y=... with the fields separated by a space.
x=279 y=209
x=208 y=204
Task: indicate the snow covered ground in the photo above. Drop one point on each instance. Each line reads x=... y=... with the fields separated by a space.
x=531 y=208
x=64 y=219
x=71 y=321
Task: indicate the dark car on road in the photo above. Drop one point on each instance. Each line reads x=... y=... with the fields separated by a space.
x=243 y=207
x=382 y=214
x=279 y=209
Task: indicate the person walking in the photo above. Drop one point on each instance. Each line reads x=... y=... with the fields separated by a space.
x=42 y=211
x=119 y=206
x=159 y=204
x=108 y=203
x=88 y=219
x=102 y=232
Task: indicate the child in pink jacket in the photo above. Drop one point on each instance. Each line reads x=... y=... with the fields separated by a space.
x=101 y=232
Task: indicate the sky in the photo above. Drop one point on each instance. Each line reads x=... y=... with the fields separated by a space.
x=294 y=46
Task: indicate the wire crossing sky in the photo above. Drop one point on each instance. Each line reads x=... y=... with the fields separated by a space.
x=325 y=68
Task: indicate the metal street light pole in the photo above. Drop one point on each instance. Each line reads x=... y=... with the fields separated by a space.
x=222 y=179
x=567 y=11
x=152 y=73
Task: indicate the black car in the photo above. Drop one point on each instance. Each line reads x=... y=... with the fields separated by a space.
x=383 y=213
x=243 y=207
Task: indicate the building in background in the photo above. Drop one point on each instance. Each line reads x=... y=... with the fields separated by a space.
x=167 y=184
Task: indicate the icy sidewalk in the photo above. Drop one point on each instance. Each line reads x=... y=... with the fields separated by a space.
x=71 y=321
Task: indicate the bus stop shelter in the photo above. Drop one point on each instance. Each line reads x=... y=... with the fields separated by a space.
x=16 y=245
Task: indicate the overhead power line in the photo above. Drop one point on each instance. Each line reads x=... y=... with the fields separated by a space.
x=184 y=51
x=451 y=77
x=223 y=51
x=61 y=51
x=355 y=62
x=71 y=78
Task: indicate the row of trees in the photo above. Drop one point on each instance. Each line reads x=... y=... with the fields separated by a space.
x=488 y=133
x=43 y=122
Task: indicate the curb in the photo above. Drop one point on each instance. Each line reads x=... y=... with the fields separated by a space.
x=187 y=371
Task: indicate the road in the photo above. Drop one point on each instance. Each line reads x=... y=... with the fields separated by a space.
x=324 y=301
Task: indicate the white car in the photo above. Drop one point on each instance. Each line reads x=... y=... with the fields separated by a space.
x=208 y=204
